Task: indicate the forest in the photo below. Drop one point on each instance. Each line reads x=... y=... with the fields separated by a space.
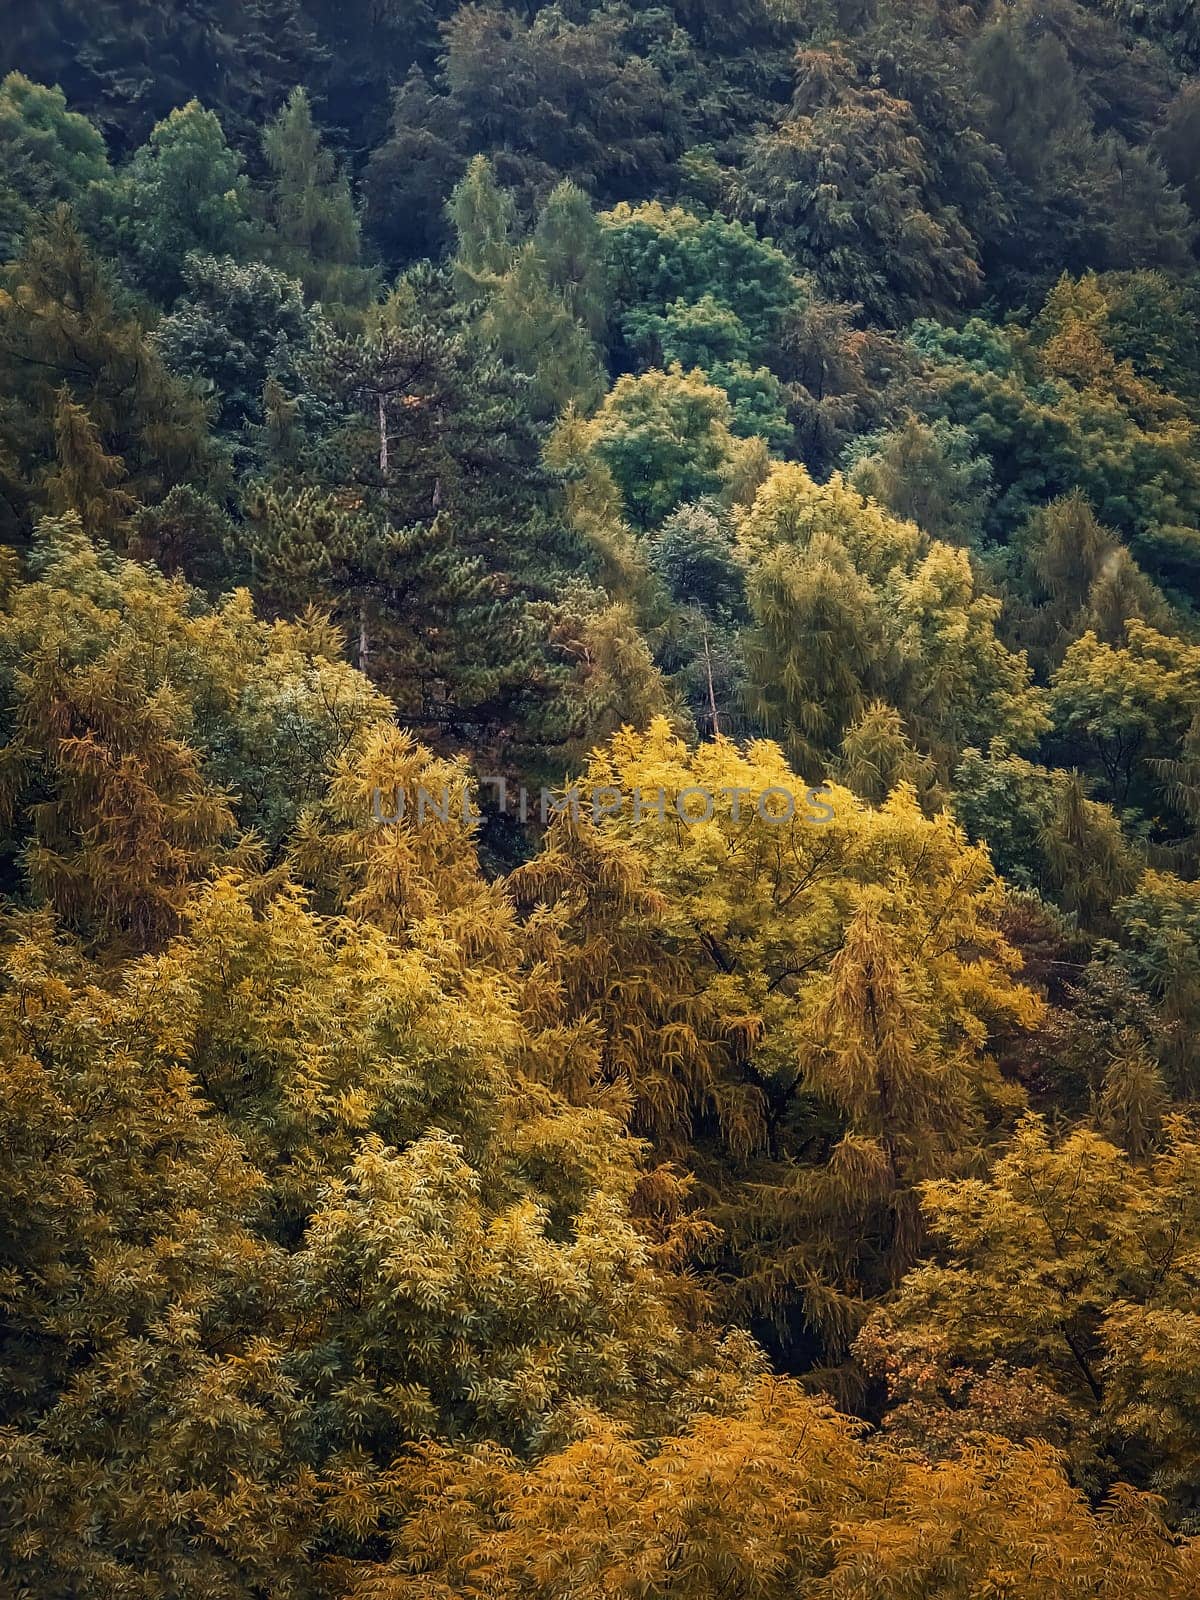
x=638 y=1191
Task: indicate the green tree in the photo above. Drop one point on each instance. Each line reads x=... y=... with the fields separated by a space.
x=850 y=604
x=1045 y=834
x=1119 y=707
x=844 y=181
x=314 y=235
x=660 y=255
x=1178 y=142
x=541 y=299
x=877 y=756
x=127 y=70
x=60 y=324
x=51 y=156
x=569 y=240
x=484 y=217
x=183 y=191
x=927 y=473
x=234 y=329
x=666 y=438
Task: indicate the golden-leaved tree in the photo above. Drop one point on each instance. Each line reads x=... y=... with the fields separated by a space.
x=1062 y=1306
x=802 y=1009
x=777 y=1498
x=151 y=737
x=275 y=1207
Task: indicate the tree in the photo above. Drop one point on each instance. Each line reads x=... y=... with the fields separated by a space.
x=850 y=604
x=1045 y=834
x=661 y=255
x=845 y=166
x=126 y=822
x=313 y=226
x=720 y=963
x=1159 y=922
x=927 y=473
x=51 y=156
x=1177 y=144
x=666 y=438
x=483 y=216
x=840 y=378
x=569 y=241
x=425 y=618
x=183 y=191
x=410 y=175
x=127 y=70
x=290 y=1150
x=1118 y=707
x=185 y=535
x=59 y=324
x=815 y=647
x=533 y=330
x=561 y=98
x=708 y=337
x=1061 y=408
x=234 y=329
x=1085 y=195
x=877 y=756
x=1073 y=1264
x=687 y=1518
x=157 y=724
x=529 y=292
x=85 y=480
x=1168 y=22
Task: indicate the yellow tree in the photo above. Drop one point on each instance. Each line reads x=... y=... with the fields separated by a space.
x=802 y=1004
x=775 y=1498
x=1066 y=1283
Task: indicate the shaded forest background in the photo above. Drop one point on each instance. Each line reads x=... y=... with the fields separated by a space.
x=644 y=397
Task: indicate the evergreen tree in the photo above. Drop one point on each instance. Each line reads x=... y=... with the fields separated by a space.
x=50 y=156
x=928 y=474
x=569 y=242
x=236 y=329
x=60 y=324
x=127 y=66
x=844 y=181
x=183 y=191
x=483 y=215
x=314 y=234
x=877 y=756
x=85 y=480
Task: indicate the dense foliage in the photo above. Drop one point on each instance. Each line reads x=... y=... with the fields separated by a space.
x=460 y=1137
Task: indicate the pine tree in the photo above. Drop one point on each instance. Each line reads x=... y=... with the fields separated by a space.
x=483 y=215
x=569 y=241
